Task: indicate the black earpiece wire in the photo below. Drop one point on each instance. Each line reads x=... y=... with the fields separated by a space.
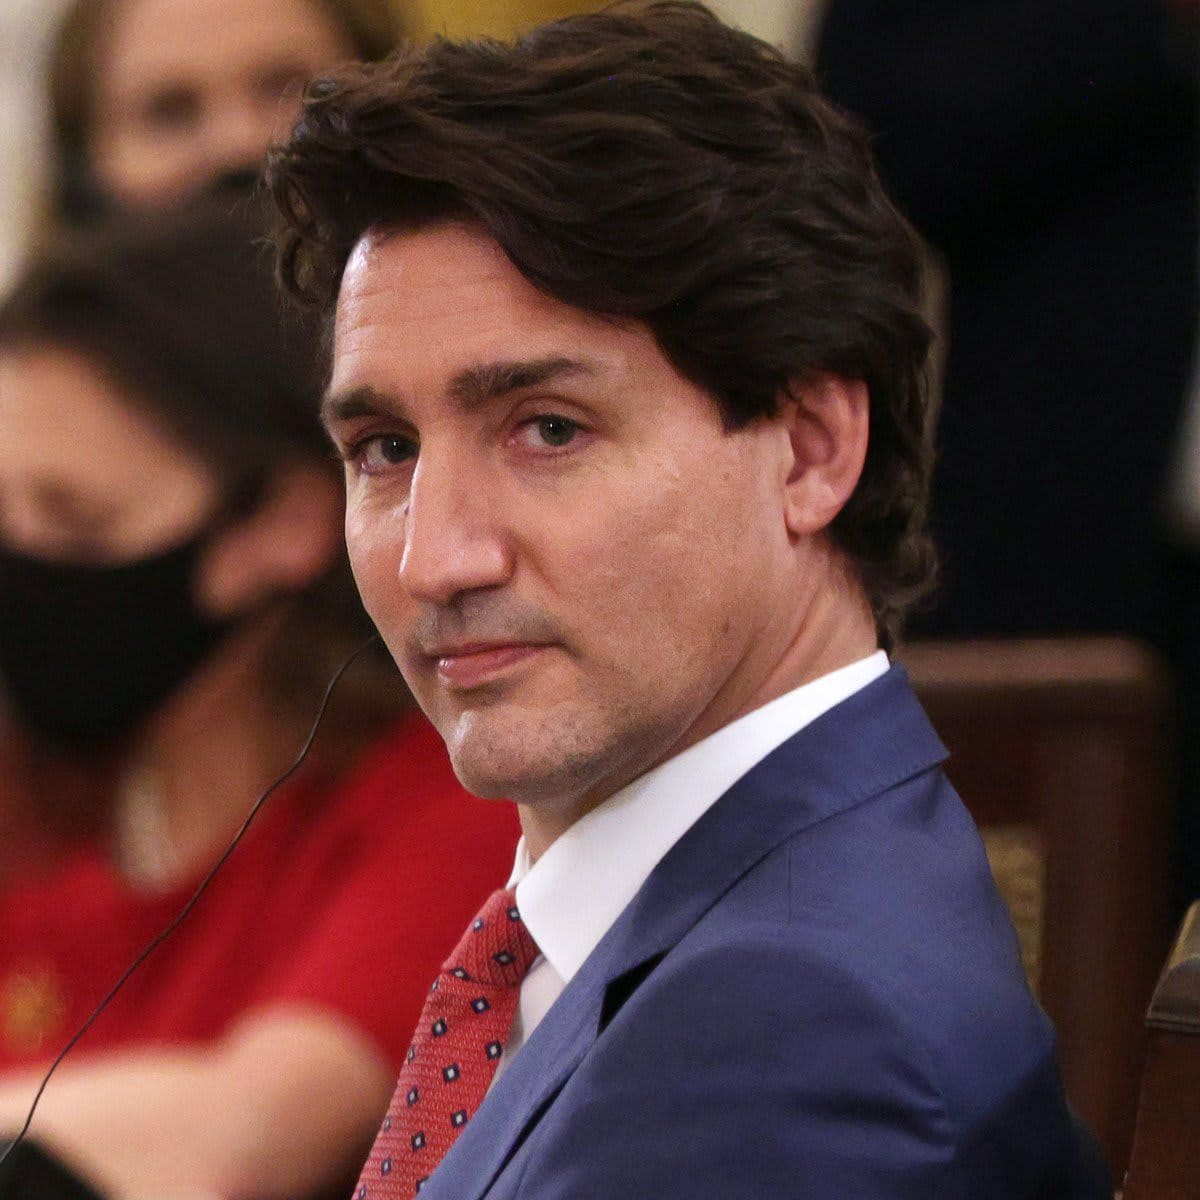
x=191 y=903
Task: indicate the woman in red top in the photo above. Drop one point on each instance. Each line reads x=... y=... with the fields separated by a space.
x=173 y=595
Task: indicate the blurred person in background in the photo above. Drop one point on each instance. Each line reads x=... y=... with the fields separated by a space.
x=154 y=100
x=173 y=597
x=1049 y=152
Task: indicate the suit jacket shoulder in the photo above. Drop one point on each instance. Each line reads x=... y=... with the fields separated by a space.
x=816 y=994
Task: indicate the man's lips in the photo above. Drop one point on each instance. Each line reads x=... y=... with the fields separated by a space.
x=475 y=664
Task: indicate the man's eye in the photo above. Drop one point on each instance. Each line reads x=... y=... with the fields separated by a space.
x=383 y=452
x=556 y=431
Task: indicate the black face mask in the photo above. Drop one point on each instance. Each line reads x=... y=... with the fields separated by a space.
x=88 y=652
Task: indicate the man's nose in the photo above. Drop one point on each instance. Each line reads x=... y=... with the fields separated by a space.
x=454 y=539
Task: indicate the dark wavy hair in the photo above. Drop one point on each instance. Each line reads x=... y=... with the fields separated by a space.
x=652 y=163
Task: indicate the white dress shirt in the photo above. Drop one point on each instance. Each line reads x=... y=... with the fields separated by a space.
x=573 y=894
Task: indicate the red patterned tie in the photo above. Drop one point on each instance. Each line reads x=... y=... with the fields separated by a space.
x=453 y=1057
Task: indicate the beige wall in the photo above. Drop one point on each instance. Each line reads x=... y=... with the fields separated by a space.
x=497 y=18
x=25 y=27
x=786 y=23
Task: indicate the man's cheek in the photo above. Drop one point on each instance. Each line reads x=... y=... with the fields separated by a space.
x=360 y=568
x=379 y=588
x=372 y=557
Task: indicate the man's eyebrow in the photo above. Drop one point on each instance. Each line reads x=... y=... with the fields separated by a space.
x=471 y=387
x=488 y=381
x=363 y=401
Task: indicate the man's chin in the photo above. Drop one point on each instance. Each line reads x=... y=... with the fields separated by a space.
x=522 y=780
x=518 y=760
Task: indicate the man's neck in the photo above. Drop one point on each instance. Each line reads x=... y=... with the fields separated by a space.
x=831 y=628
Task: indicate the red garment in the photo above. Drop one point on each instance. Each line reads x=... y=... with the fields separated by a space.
x=345 y=899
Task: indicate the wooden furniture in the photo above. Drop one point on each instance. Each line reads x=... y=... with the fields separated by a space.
x=1058 y=747
x=1165 y=1164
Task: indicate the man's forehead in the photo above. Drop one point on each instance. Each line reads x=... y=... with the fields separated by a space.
x=449 y=292
x=447 y=254
x=408 y=300
x=401 y=275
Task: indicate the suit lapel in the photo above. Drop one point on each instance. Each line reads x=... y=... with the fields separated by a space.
x=872 y=741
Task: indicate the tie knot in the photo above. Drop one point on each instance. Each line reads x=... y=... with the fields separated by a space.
x=497 y=949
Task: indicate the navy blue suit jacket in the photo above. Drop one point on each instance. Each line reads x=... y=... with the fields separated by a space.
x=816 y=994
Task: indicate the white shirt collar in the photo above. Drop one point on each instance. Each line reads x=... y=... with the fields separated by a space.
x=574 y=893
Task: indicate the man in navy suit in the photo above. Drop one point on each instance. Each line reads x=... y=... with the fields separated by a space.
x=629 y=379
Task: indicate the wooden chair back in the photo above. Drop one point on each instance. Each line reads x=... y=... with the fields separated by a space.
x=1058 y=748
x=1165 y=1163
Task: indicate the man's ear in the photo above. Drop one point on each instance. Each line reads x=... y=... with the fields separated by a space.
x=828 y=421
x=285 y=543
